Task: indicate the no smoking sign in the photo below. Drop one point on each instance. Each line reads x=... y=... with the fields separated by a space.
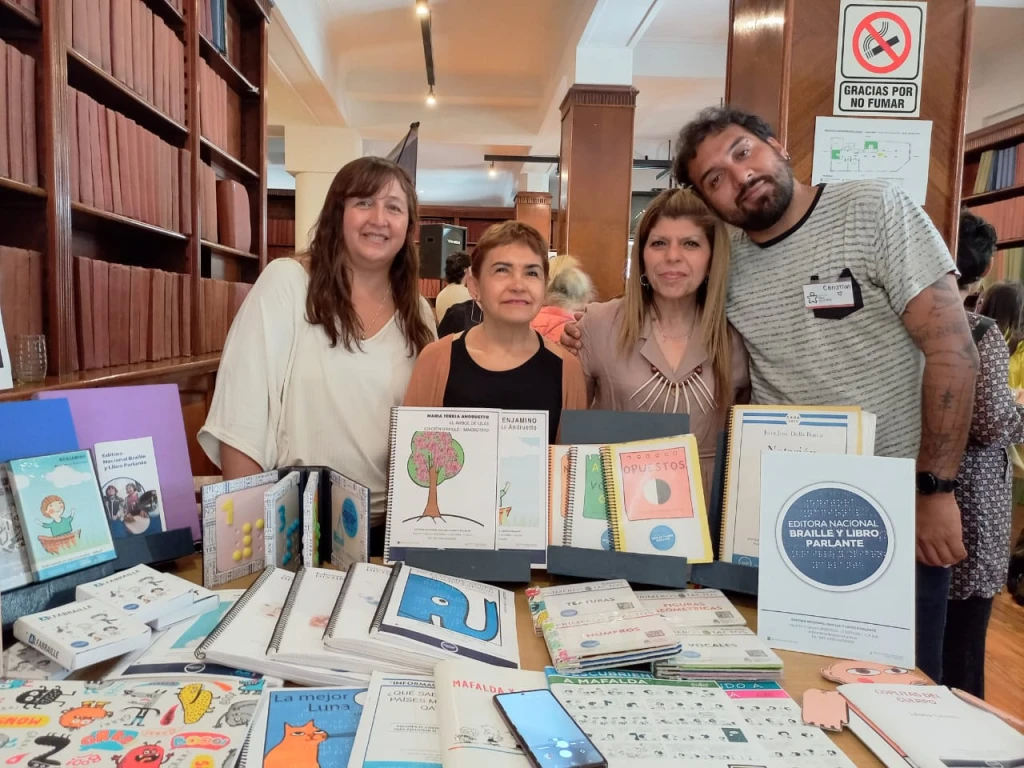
x=879 y=58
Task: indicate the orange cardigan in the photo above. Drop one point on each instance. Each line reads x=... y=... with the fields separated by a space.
x=430 y=376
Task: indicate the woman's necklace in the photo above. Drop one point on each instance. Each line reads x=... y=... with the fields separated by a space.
x=676 y=337
x=377 y=313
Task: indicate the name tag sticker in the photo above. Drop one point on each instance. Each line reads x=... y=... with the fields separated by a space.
x=837 y=293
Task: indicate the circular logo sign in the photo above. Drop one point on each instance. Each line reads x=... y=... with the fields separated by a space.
x=834 y=537
x=690 y=654
x=450 y=647
x=663 y=537
x=589 y=644
x=79 y=644
x=349 y=518
x=568 y=612
x=606 y=541
x=131 y=607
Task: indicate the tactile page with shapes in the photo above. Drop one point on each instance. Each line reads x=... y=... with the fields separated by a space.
x=283 y=523
x=15 y=568
x=522 y=484
x=61 y=513
x=443 y=480
x=350 y=522
x=233 y=527
x=130 y=486
x=586 y=524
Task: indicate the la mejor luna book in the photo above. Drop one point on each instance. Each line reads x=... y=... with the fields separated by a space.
x=61 y=513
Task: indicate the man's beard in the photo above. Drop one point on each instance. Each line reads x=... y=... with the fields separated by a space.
x=770 y=207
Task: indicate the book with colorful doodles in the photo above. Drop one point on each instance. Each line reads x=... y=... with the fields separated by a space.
x=656 y=499
x=82 y=633
x=171 y=724
x=15 y=567
x=140 y=591
x=282 y=533
x=61 y=513
x=233 y=527
x=314 y=727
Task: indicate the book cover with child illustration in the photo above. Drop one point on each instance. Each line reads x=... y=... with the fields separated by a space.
x=61 y=513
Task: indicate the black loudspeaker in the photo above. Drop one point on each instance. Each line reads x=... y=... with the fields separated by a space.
x=436 y=242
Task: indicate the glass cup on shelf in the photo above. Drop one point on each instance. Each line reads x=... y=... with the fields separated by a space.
x=29 y=358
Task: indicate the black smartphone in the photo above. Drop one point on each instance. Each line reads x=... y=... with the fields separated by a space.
x=545 y=732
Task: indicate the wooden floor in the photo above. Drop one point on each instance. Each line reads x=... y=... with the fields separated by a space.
x=1004 y=653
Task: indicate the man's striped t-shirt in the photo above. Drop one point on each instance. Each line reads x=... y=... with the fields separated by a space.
x=873 y=232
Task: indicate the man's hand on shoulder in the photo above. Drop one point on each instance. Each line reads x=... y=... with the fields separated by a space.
x=571 y=335
x=940 y=535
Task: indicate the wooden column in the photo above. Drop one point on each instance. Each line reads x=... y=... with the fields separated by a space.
x=534 y=208
x=782 y=63
x=595 y=181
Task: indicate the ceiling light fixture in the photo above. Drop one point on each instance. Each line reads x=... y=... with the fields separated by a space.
x=493 y=171
x=431 y=99
x=422 y=9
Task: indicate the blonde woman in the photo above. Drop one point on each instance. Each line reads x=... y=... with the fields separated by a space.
x=570 y=289
x=665 y=346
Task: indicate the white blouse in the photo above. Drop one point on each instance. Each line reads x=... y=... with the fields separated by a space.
x=284 y=396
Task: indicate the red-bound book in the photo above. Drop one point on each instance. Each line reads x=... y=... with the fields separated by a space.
x=114 y=161
x=83 y=312
x=28 y=96
x=93 y=42
x=185 y=286
x=15 y=116
x=5 y=163
x=147 y=21
x=100 y=318
x=73 y=143
x=119 y=39
x=104 y=155
x=85 y=173
x=153 y=170
x=138 y=56
x=173 y=163
x=175 y=312
x=233 y=221
x=104 y=29
x=119 y=296
x=80 y=26
x=170 y=280
x=135 y=168
x=127 y=20
x=139 y=313
x=124 y=167
x=99 y=190
x=156 y=325
x=36 y=286
x=184 y=191
x=209 y=315
x=69 y=19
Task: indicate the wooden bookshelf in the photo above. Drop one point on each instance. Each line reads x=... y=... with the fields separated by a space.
x=67 y=230
x=1015 y=243
x=994 y=196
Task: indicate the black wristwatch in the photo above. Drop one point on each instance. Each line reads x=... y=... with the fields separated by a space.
x=928 y=484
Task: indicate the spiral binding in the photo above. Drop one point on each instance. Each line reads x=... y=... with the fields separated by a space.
x=240 y=603
x=570 y=496
x=385 y=598
x=332 y=623
x=392 y=431
x=286 y=611
x=730 y=431
x=616 y=527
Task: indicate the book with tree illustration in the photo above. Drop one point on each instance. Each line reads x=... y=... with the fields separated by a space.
x=442 y=480
x=61 y=513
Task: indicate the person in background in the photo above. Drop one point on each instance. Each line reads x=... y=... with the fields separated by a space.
x=502 y=362
x=985 y=479
x=456 y=268
x=1004 y=303
x=570 y=289
x=325 y=342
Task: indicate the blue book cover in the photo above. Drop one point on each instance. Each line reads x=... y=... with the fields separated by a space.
x=61 y=513
x=23 y=432
x=307 y=726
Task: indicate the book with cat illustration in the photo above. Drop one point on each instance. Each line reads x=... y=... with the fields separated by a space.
x=140 y=591
x=234 y=527
x=22 y=662
x=84 y=723
x=130 y=485
x=400 y=724
x=756 y=429
x=82 y=633
x=15 y=567
x=307 y=728
x=437 y=616
x=586 y=520
x=282 y=531
x=61 y=513
x=472 y=732
x=656 y=499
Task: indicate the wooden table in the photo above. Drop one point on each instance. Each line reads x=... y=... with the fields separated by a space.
x=801 y=671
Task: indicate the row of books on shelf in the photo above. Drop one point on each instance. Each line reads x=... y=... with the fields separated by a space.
x=1007 y=216
x=221 y=302
x=18 y=143
x=213 y=23
x=218 y=122
x=429 y=287
x=1007 y=264
x=120 y=167
x=281 y=232
x=21 y=292
x=999 y=169
x=128 y=41
x=225 y=217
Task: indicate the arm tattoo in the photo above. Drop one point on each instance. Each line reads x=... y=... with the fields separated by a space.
x=936 y=321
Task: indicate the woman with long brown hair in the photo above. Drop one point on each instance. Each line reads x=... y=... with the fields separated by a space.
x=665 y=345
x=325 y=342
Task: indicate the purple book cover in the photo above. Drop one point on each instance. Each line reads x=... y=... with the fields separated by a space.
x=122 y=413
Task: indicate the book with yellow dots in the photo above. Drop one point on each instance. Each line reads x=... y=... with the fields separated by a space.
x=234 y=527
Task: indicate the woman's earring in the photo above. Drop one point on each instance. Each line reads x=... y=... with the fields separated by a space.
x=644 y=282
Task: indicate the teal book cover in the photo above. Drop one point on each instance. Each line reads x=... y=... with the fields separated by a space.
x=61 y=513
